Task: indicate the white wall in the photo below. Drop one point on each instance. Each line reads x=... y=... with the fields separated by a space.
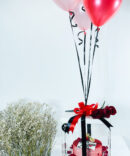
x=38 y=59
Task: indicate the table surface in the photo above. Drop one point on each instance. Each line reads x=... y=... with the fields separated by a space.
x=119 y=147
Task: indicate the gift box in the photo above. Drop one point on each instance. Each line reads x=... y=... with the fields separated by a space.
x=98 y=140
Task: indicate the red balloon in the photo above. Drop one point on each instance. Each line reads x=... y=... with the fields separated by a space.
x=100 y=11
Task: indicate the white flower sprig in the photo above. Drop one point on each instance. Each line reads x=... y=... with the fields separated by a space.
x=27 y=129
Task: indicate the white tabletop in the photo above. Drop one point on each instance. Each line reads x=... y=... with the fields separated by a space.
x=119 y=147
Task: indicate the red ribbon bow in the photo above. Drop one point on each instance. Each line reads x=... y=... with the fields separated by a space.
x=85 y=109
x=82 y=110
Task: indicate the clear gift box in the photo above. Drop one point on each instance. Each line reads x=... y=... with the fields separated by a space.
x=98 y=140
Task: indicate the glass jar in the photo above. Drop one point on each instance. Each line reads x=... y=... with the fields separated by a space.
x=98 y=140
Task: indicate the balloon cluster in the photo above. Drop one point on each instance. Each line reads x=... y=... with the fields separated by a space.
x=86 y=11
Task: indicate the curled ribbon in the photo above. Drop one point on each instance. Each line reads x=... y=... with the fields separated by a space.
x=85 y=110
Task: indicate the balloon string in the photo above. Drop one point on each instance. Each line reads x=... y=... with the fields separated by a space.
x=71 y=16
x=93 y=56
x=89 y=64
x=84 y=48
x=81 y=41
x=85 y=86
x=96 y=41
x=84 y=60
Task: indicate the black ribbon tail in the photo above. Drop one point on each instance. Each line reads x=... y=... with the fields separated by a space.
x=106 y=123
x=66 y=126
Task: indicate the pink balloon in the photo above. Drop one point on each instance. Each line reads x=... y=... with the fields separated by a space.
x=67 y=5
x=81 y=18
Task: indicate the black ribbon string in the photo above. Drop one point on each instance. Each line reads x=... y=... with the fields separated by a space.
x=83 y=42
x=86 y=89
x=72 y=14
x=90 y=59
x=96 y=41
x=83 y=118
x=84 y=48
x=80 y=39
x=89 y=63
x=89 y=79
x=84 y=60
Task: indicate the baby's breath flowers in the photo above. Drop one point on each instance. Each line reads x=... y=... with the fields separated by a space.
x=27 y=129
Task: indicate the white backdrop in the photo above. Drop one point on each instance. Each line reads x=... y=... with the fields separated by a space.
x=38 y=59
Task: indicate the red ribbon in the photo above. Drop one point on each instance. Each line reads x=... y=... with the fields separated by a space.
x=82 y=110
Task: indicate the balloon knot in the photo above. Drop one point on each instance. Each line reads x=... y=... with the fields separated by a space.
x=70 y=12
x=98 y=29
